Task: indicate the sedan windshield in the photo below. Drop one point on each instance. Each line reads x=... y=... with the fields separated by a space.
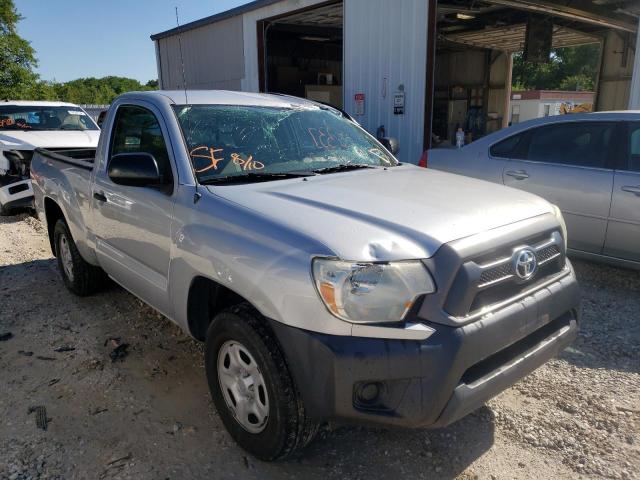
x=227 y=141
x=38 y=117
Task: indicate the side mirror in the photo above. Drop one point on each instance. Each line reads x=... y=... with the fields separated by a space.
x=391 y=144
x=135 y=169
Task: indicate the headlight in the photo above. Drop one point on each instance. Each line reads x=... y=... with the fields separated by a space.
x=370 y=292
x=563 y=225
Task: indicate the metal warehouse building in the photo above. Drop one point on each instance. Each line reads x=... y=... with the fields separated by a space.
x=417 y=68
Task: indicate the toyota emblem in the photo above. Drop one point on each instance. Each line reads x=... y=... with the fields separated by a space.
x=525 y=263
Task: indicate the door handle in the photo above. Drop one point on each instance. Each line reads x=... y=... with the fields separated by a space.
x=517 y=174
x=631 y=189
x=99 y=196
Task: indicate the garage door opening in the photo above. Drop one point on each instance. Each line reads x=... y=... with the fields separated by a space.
x=302 y=54
x=478 y=42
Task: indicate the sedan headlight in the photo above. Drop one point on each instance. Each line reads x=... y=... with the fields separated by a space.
x=563 y=225
x=370 y=292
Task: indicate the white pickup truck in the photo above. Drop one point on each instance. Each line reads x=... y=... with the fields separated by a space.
x=27 y=125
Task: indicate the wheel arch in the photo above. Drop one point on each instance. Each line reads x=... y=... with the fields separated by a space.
x=53 y=213
x=206 y=298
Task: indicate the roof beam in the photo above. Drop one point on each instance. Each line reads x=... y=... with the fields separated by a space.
x=568 y=12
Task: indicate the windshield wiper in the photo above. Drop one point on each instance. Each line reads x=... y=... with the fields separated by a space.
x=255 y=177
x=342 y=167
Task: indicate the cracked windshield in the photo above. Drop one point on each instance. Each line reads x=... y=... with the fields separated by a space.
x=233 y=141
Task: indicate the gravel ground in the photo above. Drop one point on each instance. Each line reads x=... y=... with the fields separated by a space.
x=149 y=415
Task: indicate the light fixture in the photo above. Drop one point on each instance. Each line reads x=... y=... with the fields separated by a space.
x=312 y=38
x=465 y=16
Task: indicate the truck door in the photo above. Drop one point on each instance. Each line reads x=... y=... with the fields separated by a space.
x=568 y=164
x=623 y=231
x=132 y=224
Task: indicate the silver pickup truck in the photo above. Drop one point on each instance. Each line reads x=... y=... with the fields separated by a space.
x=329 y=281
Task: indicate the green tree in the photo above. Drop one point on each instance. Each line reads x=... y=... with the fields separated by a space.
x=17 y=57
x=42 y=90
x=97 y=90
x=569 y=68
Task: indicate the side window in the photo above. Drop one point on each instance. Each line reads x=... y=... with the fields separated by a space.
x=136 y=130
x=507 y=148
x=585 y=144
x=634 y=147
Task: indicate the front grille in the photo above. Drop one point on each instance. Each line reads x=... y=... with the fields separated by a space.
x=491 y=278
x=505 y=290
x=547 y=254
x=496 y=274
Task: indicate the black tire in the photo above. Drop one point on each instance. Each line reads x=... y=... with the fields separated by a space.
x=4 y=211
x=287 y=428
x=85 y=278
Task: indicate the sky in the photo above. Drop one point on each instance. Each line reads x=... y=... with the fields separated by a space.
x=96 y=38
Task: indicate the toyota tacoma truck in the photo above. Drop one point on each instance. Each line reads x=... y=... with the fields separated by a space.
x=27 y=125
x=329 y=281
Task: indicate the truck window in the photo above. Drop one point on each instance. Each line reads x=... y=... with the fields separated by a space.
x=137 y=130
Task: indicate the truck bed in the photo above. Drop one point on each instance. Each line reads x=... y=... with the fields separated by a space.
x=80 y=157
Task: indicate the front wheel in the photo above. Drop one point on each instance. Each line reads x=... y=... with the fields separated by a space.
x=79 y=276
x=252 y=387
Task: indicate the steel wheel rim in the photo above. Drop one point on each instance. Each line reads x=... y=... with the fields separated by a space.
x=243 y=386
x=66 y=257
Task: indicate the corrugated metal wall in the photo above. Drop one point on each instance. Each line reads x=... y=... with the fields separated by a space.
x=634 y=97
x=213 y=57
x=384 y=47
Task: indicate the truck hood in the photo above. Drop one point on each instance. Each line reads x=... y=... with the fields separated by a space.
x=30 y=140
x=400 y=213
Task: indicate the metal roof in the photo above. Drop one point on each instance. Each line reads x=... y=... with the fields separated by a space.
x=512 y=38
x=215 y=18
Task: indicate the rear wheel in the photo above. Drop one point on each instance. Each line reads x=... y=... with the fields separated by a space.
x=252 y=387
x=80 y=277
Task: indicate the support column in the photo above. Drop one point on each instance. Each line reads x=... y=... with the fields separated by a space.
x=634 y=94
x=506 y=112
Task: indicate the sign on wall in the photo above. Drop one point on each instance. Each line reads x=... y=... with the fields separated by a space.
x=359 y=100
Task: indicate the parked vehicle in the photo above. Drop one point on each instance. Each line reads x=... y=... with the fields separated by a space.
x=587 y=164
x=25 y=126
x=329 y=281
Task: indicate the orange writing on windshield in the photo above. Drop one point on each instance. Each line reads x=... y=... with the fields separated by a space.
x=246 y=164
x=210 y=155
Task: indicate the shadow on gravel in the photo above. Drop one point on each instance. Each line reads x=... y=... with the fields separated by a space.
x=19 y=270
x=443 y=453
x=610 y=329
x=18 y=215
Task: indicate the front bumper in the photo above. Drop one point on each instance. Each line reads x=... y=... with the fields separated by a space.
x=434 y=382
x=16 y=194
